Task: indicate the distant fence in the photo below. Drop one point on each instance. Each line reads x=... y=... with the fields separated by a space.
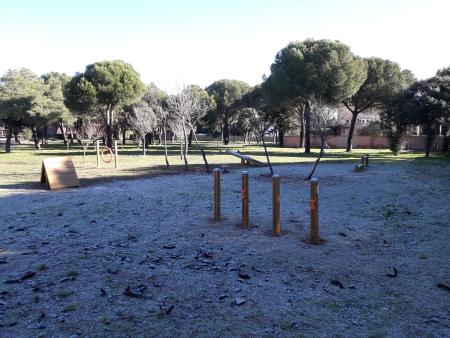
x=412 y=142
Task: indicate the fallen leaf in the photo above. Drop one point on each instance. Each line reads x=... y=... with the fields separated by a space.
x=135 y=292
x=443 y=286
x=392 y=275
x=242 y=273
x=337 y=283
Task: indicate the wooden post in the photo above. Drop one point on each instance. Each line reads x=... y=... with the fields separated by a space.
x=216 y=173
x=276 y=204
x=314 y=206
x=245 y=217
x=97 y=147
x=116 y=155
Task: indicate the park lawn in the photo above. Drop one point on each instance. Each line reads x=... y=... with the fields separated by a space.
x=21 y=168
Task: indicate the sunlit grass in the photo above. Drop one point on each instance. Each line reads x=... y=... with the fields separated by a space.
x=23 y=165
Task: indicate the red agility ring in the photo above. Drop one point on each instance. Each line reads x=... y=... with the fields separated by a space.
x=109 y=151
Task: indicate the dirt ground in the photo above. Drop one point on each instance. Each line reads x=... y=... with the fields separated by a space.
x=142 y=258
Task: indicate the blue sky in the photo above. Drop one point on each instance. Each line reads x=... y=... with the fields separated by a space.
x=174 y=42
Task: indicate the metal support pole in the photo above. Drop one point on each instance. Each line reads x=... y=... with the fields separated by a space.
x=276 y=204
x=244 y=191
x=314 y=206
x=216 y=173
x=97 y=147
x=116 y=155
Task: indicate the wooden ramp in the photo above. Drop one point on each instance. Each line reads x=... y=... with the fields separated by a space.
x=59 y=172
x=245 y=159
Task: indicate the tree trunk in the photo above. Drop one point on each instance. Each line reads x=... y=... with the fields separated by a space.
x=190 y=138
x=150 y=139
x=109 y=136
x=144 y=141
x=226 y=132
x=165 y=145
x=352 y=130
x=316 y=163
x=307 y=129
x=267 y=154
x=124 y=135
x=44 y=134
x=429 y=139
x=203 y=154
x=36 y=139
x=9 y=136
x=64 y=132
x=185 y=136
x=16 y=135
x=281 y=137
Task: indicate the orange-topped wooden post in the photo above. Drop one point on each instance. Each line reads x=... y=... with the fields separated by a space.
x=314 y=206
x=276 y=204
x=244 y=193
x=216 y=175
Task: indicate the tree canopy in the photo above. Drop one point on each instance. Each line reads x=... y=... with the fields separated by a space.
x=443 y=71
x=21 y=95
x=428 y=104
x=104 y=87
x=320 y=68
x=385 y=79
x=227 y=95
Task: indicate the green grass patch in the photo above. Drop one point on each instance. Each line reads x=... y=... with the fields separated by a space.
x=21 y=168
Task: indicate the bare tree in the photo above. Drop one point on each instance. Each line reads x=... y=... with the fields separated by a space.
x=142 y=121
x=157 y=100
x=88 y=132
x=324 y=119
x=187 y=109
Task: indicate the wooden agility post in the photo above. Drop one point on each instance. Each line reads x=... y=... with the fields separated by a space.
x=59 y=172
x=276 y=204
x=116 y=155
x=314 y=206
x=244 y=191
x=216 y=175
x=97 y=148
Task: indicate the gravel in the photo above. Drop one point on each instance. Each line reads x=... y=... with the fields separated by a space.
x=143 y=258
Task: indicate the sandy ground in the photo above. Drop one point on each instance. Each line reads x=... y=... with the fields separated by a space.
x=142 y=258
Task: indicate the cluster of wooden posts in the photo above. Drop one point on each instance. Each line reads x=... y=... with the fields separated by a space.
x=364 y=163
x=112 y=154
x=314 y=204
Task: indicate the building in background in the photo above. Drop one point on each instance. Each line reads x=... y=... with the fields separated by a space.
x=364 y=119
x=2 y=130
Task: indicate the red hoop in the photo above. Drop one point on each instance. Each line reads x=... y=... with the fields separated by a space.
x=108 y=150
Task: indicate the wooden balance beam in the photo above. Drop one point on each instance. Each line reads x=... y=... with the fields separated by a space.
x=245 y=159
